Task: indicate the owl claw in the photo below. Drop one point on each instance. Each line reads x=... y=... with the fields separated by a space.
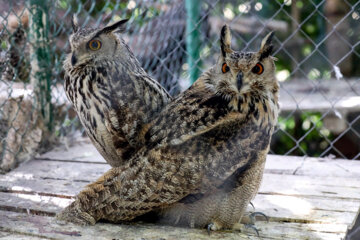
x=253 y=217
x=209 y=228
x=213 y=227
x=252 y=205
x=253 y=228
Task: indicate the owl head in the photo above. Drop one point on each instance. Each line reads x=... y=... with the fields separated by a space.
x=95 y=44
x=241 y=72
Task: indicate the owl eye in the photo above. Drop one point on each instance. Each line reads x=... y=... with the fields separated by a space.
x=225 y=68
x=94 y=44
x=258 y=69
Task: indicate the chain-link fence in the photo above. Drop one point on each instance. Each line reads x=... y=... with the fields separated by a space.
x=317 y=45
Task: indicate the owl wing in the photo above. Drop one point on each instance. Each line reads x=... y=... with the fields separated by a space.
x=203 y=126
x=135 y=99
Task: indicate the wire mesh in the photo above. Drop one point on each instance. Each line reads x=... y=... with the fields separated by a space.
x=317 y=45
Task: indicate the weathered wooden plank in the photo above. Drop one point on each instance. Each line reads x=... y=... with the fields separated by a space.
x=86 y=152
x=44 y=169
x=310 y=166
x=20 y=202
x=47 y=187
x=309 y=197
x=47 y=227
x=332 y=187
x=313 y=167
x=64 y=189
x=329 y=187
x=68 y=178
x=276 y=207
x=4 y=235
x=300 y=231
x=330 y=167
x=281 y=165
x=302 y=205
x=306 y=209
x=82 y=151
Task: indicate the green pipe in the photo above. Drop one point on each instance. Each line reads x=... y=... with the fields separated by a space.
x=41 y=68
x=193 y=38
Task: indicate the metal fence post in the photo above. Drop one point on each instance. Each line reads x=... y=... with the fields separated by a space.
x=193 y=38
x=41 y=67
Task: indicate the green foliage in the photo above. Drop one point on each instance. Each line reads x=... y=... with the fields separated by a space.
x=138 y=12
x=4 y=45
x=301 y=134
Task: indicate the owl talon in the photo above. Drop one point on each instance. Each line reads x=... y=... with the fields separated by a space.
x=253 y=217
x=252 y=205
x=213 y=227
x=252 y=226
x=209 y=228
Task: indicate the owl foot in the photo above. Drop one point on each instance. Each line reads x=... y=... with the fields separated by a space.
x=252 y=205
x=253 y=215
x=76 y=216
x=252 y=226
x=212 y=227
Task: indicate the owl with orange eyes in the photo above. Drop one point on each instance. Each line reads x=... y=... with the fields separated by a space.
x=112 y=94
x=201 y=158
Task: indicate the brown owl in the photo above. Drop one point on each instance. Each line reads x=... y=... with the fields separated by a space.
x=112 y=95
x=203 y=156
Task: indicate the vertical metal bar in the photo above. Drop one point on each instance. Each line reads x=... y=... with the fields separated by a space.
x=40 y=58
x=295 y=52
x=321 y=23
x=192 y=38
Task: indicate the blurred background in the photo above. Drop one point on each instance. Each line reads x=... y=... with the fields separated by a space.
x=317 y=43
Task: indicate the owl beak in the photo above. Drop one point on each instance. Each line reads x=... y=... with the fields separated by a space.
x=239 y=80
x=73 y=60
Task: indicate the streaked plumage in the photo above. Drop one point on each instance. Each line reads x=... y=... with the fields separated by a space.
x=202 y=157
x=113 y=96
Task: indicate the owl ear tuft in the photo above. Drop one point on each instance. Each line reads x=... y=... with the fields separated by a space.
x=118 y=27
x=266 y=47
x=225 y=40
x=75 y=23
